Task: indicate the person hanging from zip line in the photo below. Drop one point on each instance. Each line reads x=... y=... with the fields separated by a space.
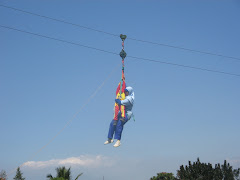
x=122 y=106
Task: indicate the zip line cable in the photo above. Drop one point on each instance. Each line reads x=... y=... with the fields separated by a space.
x=186 y=49
x=58 y=20
x=70 y=120
x=109 y=52
x=115 y=35
x=185 y=66
x=60 y=40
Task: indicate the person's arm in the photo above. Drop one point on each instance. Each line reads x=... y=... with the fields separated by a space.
x=125 y=102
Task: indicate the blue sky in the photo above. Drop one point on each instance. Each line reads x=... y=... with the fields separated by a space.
x=181 y=113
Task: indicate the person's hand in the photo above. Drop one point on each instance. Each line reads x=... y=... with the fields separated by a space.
x=118 y=101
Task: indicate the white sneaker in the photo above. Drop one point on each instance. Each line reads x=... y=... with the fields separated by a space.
x=109 y=141
x=117 y=143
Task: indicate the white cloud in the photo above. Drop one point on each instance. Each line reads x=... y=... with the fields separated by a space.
x=83 y=161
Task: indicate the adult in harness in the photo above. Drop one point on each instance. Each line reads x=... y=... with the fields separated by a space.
x=116 y=126
x=123 y=105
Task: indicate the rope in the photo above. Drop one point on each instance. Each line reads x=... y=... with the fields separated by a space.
x=69 y=121
x=123 y=55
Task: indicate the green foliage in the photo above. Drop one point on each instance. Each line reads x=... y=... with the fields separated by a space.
x=78 y=176
x=18 y=175
x=204 y=171
x=236 y=173
x=227 y=171
x=163 y=176
x=62 y=174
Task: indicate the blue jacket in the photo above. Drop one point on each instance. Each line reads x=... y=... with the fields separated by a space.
x=128 y=102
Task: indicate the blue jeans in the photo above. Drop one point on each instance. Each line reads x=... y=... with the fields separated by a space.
x=116 y=126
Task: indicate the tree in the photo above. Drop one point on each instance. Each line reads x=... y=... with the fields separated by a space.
x=204 y=171
x=227 y=171
x=236 y=173
x=163 y=176
x=19 y=175
x=3 y=175
x=62 y=174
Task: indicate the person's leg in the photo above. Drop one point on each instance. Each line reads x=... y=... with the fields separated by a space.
x=119 y=129
x=118 y=132
x=112 y=129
